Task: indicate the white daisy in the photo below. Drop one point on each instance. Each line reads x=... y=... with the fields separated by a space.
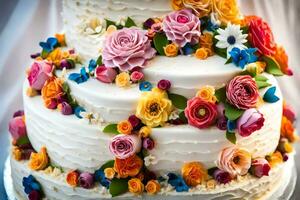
x=231 y=37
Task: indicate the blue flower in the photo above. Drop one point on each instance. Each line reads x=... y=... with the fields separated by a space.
x=49 y=45
x=92 y=65
x=270 y=95
x=231 y=125
x=78 y=110
x=30 y=184
x=211 y=26
x=145 y=86
x=177 y=182
x=187 y=49
x=81 y=77
x=100 y=177
x=243 y=57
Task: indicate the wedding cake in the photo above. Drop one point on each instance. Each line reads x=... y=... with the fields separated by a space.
x=154 y=99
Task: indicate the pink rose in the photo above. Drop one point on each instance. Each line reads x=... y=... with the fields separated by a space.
x=252 y=120
x=127 y=48
x=105 y=75
x=136 y=76
x=182 y=27
x=124 y=146
x=242 y=92
x=200 y=113
x=261 y=37
x=260 y=167
x=39 y=73
x=289 y=113
x=17 y=127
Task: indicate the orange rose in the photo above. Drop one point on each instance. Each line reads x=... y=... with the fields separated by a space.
x=135 y=186
x=152 y=187
x=227 y=11
x=72 y=178
x=109 y=173
x=194 y=173
x=40 y=160
x=201 y=8
x=288 y=130
x=61 y=39
x=128 y=167
x=177 y=4
x=201 y=53
x=51 y=91
x=282 y=59
x=124 y=127
x=171 y=50
x=206 y=40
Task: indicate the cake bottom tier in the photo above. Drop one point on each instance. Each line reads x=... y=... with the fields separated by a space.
x=54 y=186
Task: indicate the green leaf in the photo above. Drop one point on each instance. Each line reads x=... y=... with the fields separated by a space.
x=231 y=112
x=111 y=128
x=129 y=23
x=99 y=60
x=178 y=101
x=109 y=22
x=261 y=78
x=182 y=117
x=229 y=61
x=245 y=29
x=262 y=84
x=272 y=66
x=108 y=164
x=44 y=54
x=231 y=137
x=118 y=187
x=23 y=140
x=160 y=40
x=221 y=52
x=250 y=73
x=221 y=94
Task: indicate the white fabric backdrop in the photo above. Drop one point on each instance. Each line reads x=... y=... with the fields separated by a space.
x=35 y=20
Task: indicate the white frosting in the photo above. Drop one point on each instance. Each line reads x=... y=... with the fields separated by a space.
x=245 y=188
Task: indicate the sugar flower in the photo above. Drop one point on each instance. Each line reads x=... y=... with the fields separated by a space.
x=57 y=55
x=150 y=160
x=128 y=167
x=39 y=161
x=283 y=60
x=261 y=37
x=200 y=113
x=78 y=111
x=152 y=187
x=154 y=108
x=145 y=86
x=81 y=77
x=288 y=112
x=127 y=48
x=226 y=11
x=231 y=37
x=86 y=180
x=135 y=186
x=200 y=8
x=148 y=143
x=17 y=127
x=251 y=120
x=109 y=173
x=72 y=178
x=182 y=27
x=234 y=160
x=242 y=92
x=221 y=176
x=222 y=123
x=164 y=84
x=124 y=127
x=34 y=195
x=49 y=45
x=274 y=159
x=134 y=121
x=194 y=173
x=136 y=76
x=39 y=73
x=100 y=177
x=177 y=182
x=171 y=50
x=66 y=108
x=288 y=130
x=207 y=93
x=123 y=146
x=105 y=75
x=260 y=167
x=243 y=57
x=30 y=184
x=202 y=53
x=145 y=131
x=51 y=92
x=123 y=79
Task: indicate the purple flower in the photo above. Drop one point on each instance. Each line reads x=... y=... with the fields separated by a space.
x=68 y=64
x=17 y=127
x=124 y=146
x=86 y=180
x=34 y=195
x=182 y=27
x=39 y=73
x=148 y=23
x=260 y=167
x=221 y=176
x=148 y=144
x=66 y=109
x=134 y=121
x=222 y=123
x=105 y=75
x=18 y=113
x=164 y=84
x=251 y=121
x=127 y=48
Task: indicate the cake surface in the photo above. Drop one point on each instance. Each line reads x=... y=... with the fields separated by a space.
x=155 y=100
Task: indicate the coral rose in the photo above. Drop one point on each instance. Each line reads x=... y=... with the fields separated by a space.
x=152 y=187
x=182 y=27
x=127 y=48
x=39 y=73
x=251 y=120
x=51 y=92
x=39 y=161
x=124 y=127
x=130 y=166
x=124 y=146
x=154 y=108
x=193 y=173
x=261 y=37
x=135 y=186
x=234 y=160
x=200 y=113
x=242 y=92
x=72 y=178
x=226 y=11
x=283 y=60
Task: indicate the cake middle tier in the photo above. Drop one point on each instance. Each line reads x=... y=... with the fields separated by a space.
x=73 y=143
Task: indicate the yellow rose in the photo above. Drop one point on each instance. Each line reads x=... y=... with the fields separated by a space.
x=201 y=53
x=227 y=11
x=207 y=93
x=109 y=173
x=194 y=173
x=39 y=161
x=201 y=8
x=145 y=131
x=57 y=55
x=124 y=127
x=171 y=50
x=123 y=79
x=154 y=108
x=177 y=4
x=135 y=186
x=211 y=184
x=152 y=187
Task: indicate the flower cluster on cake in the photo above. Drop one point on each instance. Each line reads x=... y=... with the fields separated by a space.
x=229 y=122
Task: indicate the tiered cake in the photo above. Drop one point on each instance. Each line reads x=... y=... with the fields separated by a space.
x=156 y=99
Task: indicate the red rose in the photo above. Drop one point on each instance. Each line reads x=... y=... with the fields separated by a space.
x=200 y=113
x=261 y=37
x=242 y=92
